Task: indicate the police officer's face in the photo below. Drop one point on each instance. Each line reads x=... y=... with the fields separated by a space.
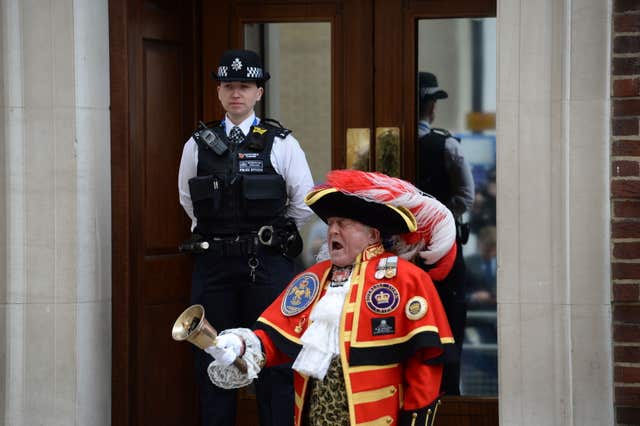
x=238 y=98
x=347 y=238
x=431 y=111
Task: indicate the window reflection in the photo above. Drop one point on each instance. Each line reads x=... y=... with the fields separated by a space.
x=461 y=54
x=298 y=57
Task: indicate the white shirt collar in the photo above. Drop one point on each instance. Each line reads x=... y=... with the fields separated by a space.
x=244 y=126
x=425 y=124
x=423 y=128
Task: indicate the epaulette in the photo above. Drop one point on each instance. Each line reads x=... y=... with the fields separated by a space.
x=258 y=133
x=279 y=130
x=443 y=132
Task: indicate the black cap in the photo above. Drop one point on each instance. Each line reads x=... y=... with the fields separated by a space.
x=241 y=65
x=428 y=86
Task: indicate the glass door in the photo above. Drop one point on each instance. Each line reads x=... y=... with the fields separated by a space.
x=456 y=58
x=346 y=80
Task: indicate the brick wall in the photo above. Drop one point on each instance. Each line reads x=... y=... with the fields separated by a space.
x=625 y=208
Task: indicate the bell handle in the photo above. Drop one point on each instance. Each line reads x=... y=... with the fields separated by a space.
x=241 y=365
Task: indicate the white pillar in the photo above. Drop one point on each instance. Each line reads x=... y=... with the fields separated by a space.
x=553 y=212
x=55 y=233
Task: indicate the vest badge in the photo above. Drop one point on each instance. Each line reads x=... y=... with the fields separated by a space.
x=259 y=130
x=382 y=326
x=243 y=155
x=382 y=298
x=300 y=294
x=416 y=308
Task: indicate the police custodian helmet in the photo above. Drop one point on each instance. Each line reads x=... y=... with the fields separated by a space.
x=241 y=65
x=428 y=87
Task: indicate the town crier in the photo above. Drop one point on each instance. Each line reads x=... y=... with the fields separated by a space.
x=365 y=328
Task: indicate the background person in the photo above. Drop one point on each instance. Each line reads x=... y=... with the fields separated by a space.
x=480 y=366
x=484 y=207
x=236 y=177
x=483 y=267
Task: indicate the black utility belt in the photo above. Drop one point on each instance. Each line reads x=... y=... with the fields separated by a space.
x=237 y=244
x=266 y=235
x=240 y=245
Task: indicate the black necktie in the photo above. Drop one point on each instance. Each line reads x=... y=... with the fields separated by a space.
x=236 y=136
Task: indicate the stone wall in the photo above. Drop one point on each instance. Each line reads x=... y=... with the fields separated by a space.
x=625 y=208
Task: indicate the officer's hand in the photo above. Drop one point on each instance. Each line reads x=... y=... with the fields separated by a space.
x=226 y=349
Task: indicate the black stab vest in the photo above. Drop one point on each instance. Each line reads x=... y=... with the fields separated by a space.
x=432 y=176
x=238 y=191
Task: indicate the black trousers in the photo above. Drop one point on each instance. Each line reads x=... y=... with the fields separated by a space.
x=231 y=299
x=453 y=296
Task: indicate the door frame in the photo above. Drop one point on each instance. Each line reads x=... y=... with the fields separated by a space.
x=128 y=23
x=122 y=376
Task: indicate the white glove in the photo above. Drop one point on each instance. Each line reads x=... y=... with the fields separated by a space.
x=227 y=348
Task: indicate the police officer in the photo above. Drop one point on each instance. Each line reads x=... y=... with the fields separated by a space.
x=242 y=181
x=443 y=172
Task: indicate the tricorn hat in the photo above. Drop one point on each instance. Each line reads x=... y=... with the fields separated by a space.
x=414 y=221
x=428 y=86
x=329 y=202
x=240 y=65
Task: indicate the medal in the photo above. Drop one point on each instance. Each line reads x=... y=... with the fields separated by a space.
x=391 y=267
x=380 y=269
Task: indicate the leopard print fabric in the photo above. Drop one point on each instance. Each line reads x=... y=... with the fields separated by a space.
x=327 y=403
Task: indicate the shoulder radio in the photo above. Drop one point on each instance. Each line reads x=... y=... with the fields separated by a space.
x=211 y=138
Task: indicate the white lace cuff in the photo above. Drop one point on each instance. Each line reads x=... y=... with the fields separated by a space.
x=230 y=377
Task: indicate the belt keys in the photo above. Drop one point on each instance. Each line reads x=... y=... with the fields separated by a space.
x=253 y=260
x=253 y=264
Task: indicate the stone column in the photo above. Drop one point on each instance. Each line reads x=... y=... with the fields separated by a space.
x=55 y=233
x=553 y=212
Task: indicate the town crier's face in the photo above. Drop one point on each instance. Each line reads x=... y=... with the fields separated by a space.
x=347 y=238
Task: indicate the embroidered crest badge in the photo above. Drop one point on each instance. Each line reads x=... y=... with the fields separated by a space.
x=416 y=308
x=300 y=294
x=382 y=298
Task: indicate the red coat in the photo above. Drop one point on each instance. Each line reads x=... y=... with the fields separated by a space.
x=393 y=333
